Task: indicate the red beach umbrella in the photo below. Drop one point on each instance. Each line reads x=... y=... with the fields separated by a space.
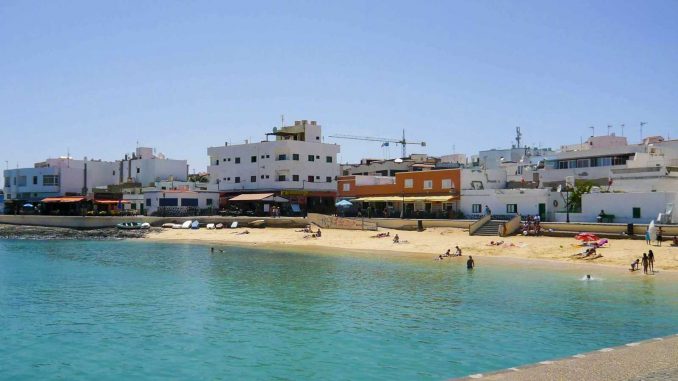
x=586 y=237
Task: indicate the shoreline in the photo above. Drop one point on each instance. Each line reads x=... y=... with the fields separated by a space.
x=550 y=251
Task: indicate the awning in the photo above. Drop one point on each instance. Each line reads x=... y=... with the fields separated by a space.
x=275 y=199
x=62 y=199
x=408 y=199
x=251 y=197
x=111 y=202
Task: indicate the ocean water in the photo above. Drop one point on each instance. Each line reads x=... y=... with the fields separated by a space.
x=131 y=310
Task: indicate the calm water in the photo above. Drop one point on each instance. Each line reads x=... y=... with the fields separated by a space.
x=116 y=310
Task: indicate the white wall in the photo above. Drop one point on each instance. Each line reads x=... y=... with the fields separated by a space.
x=621 y=206
x=270 y=167
x=202 y=197
x=490 y=178
x=152 y=170
x=527 y=200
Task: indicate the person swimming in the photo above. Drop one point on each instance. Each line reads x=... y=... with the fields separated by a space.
x=470 y=264
x=588 y=276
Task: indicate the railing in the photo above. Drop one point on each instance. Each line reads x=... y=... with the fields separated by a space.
x=478 y=224
x=510 y=227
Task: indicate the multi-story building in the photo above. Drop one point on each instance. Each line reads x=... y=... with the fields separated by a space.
x=292 y=162
x=145 y=168
x=430 y=193
x=377 y=167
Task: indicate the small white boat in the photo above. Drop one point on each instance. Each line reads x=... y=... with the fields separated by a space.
x=234 y=225
x=210 y=226
x=168 y=225
x=145 y=225
x=195 y=225
x=186 y=225
x=219 y=226
x=177 y=226
x=258 y=223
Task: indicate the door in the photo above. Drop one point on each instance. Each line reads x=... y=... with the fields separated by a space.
x=542 y=212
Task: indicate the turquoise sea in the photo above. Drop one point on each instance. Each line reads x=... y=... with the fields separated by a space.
x=133 y=310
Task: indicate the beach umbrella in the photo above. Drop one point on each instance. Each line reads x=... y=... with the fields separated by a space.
x=344 y=203
x=586 y=237
x=28 y=205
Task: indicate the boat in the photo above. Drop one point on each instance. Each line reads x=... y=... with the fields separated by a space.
x=168 y=225
x=210 y=226
x=186 y=225
x=145 y=225
x=131 y=225
x=219 y=226
x=195 y=225
x=258 y=223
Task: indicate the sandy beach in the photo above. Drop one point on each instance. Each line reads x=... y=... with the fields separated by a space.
x=430 y=243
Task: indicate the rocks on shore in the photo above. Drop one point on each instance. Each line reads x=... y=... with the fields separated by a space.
x=44 y=232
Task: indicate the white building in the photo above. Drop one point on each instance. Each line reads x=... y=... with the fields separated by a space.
x=144 y=167
x=389 y=167
x=180 y=202
x=62 y=176
x=295 y=164
x=627 y=207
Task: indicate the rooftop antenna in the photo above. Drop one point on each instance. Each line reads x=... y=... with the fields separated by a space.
x=282 y=120
x=593 y=130
x=518 y=136
x=641 y=129
x=609 y=126
x=622 y=129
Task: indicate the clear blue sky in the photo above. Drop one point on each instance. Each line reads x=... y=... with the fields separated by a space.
x=96 y=77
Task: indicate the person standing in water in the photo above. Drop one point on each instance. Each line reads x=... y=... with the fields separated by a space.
x=645 y=263
x=650 y=260
x=470 y=264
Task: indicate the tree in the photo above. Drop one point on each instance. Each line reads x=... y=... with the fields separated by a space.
x=580 y=188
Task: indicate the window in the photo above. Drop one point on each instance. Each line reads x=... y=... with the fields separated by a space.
x=262 y=177
x=229 y=159
x=138 y=170
x=253 y=159
x=268 y=156
x=22 y=181
x=237 y=179
x=50 y=180
x=148 y=202
x=168 y=202
x=409 y=183
x=446 y=184
x=295 y=156
x=511 y=208
x=262 y=156
x=237 y=160
x=310 y=179
x=113 y=173
x=267 y=176
x=636 y=212
x=583 y=163
x=134 y=206
x=209 y=202
x=476 y=208
x=311 y=158
x=428 y=184
x=282 y=178
x=35 y=179
x=295 y=177
x=7 y=182
x=328 y=179
x=317 y=156
x=216 y=162
x=189 y=202
x=253 y=179
x=346 y=187
x=562 y=165
x=282 y=156
x=328 y=159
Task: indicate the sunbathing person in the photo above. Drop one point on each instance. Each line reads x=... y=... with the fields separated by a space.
x=396 y=239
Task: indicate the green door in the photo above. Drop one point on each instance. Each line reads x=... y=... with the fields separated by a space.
x=542 y=212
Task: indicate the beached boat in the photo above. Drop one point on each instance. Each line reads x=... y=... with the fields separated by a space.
x=219 y=226
x=186 y=225
x=133 y=225
x=195 y=225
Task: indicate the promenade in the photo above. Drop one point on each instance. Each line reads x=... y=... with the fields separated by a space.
x=650 y=360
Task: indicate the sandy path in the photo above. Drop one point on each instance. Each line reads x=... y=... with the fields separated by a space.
x=430 y=243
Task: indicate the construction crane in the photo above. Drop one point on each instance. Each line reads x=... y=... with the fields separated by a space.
x=384 y=141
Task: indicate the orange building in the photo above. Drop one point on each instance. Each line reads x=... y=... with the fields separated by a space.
x=433 y=193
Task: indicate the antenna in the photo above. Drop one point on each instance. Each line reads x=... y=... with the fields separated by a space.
x=518 y=136
x=622 y=129
x=609 y=126
x=641 y=129
x=593 y=130
x=282 y=120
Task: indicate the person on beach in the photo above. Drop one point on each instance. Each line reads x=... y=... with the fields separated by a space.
x=675 y=241
x=588 y=276
x=457 y=252
x=650 y=260
x=647 y=236
x=635 y=264
x=447 y=253
x=645 y=263
x=470 y=264
x=318 y=233
x=659 y=236
x=396 y=239
x=487 y=210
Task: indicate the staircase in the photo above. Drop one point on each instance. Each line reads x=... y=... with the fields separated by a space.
x=491 y=228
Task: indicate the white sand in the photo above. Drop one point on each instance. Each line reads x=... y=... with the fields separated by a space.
x=428 y=244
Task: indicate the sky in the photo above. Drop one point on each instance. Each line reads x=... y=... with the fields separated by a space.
x=93 y=78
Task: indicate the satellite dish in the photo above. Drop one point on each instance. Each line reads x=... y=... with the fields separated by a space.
x=398 y=160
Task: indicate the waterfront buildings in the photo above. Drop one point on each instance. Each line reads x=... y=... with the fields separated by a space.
x=429 y=193
x=292 y=162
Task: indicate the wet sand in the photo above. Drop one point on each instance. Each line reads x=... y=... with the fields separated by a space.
x=426 y=245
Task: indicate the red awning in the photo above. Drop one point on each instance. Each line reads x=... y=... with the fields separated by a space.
x=62 y=199
x=111 y=202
